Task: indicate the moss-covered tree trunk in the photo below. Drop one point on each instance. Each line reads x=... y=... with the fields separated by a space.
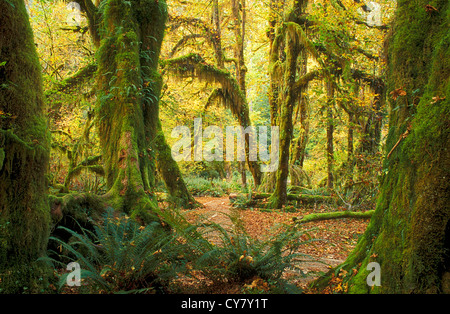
x=276 y=6
x=409 y=233
x=179 y=194
x=298 y=147
x=330 y=132
x=128 y=96
x=24 y=154
x=287 y=99
x=147 y=21
x=239 y=17
x=279 y=197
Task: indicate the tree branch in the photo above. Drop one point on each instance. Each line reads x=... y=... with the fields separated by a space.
x=194 y=65
x=78 y=78
x=179 y=45
x=93 y=16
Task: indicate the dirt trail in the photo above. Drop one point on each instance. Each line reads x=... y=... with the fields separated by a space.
x=219 y=210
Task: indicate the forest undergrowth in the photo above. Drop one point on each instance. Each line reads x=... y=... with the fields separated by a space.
x=217 y=248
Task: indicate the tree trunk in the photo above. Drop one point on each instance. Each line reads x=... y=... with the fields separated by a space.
x=217 y=35
x=147 y=82
x=409 y=233
x=350 y=150
x=299 y=145
x=24 y=153
x=330 y=131
x=179 y=195
x=279 y=197
x=286 y=102
x=241 y=72
x=129 y=88
x=275 y=7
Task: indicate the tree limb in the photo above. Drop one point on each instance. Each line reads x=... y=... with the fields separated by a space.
x=93 y=16
x=179 y=45
x=78 y=78
x=195 y=65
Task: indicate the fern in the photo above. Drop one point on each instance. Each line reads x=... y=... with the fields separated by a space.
x=239 y=257
x=120 y=255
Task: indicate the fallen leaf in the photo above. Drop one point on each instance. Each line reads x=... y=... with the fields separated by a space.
x=430 y=9
x=397 y=92
x=436 y=99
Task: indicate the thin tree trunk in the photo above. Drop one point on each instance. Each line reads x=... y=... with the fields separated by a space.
x=217 y=35
x=330 y=131
x=241 y=71
x=350 y=150
x=299 y=146
x=275 y=7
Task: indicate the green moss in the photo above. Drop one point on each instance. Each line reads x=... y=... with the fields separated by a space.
x=128 y=94
x=407 y=235
x=24 y=141
x=2 y=157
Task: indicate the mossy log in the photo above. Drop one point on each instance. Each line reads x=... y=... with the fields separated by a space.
x=333 y=215
x=302 y=198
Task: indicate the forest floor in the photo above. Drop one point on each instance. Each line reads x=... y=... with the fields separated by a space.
x=335 y=239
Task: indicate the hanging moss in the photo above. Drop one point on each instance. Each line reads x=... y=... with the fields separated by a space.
x=194 y=65
x=230 y=92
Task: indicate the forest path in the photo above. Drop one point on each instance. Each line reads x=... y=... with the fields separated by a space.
x=337 y=237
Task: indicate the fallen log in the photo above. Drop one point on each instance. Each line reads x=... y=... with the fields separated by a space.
x=333 y=215
x=304 y=198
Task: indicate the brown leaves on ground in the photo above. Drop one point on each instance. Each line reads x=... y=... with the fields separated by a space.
x=334 y=239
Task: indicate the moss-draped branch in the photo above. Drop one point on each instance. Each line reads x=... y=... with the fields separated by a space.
x=194 y=65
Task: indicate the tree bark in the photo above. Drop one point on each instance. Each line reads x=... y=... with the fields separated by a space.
x=241 y=72
x=279 y=197
x=129 y=87
x=24 y=153
x=286 y=101
x=330 y=131
x=217 y=35
x=409 y=233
